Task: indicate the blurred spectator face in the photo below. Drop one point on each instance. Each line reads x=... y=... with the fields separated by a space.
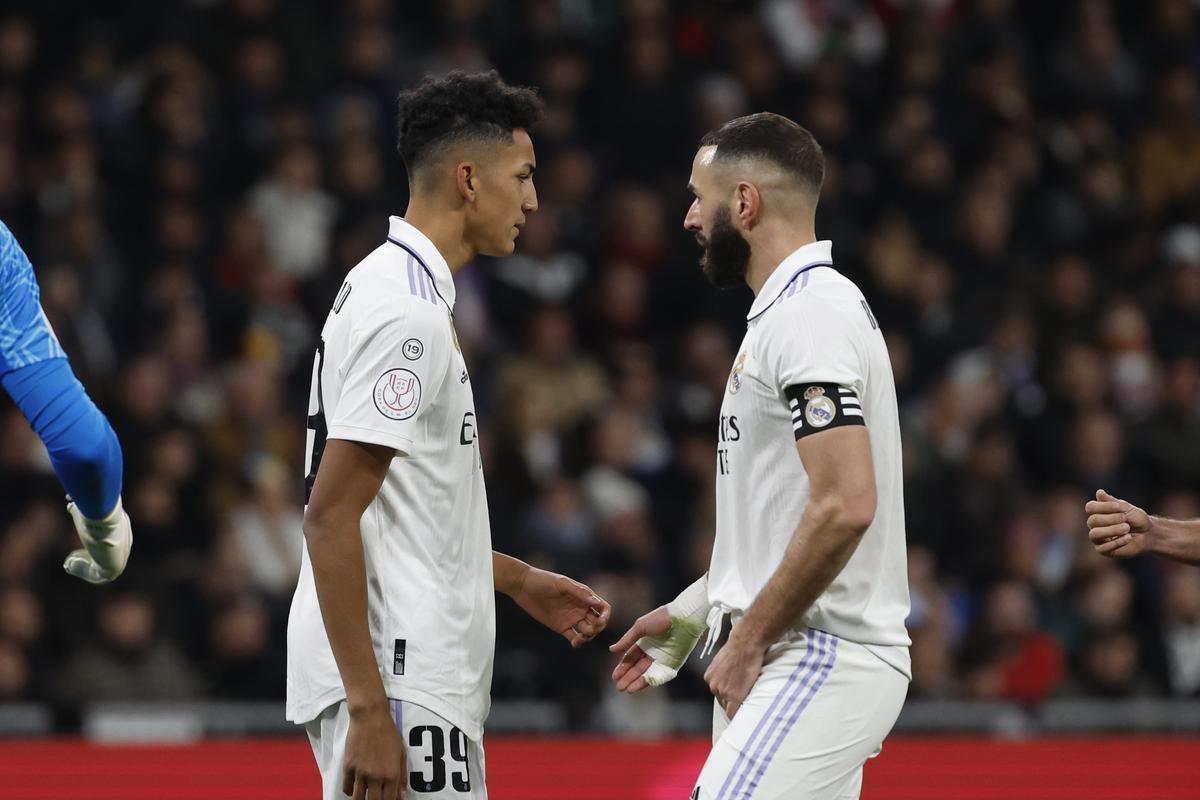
x=369 y=50
x=148 y=390
x=174 y=456
x=1177 y=95
x=21 y=618
x=550 y=336
x=18 y=46
x=1110 y=663
x=14 y=672
x=986 y=220
x=359 y=170
x=185 y=339
x=720 y=98
x=1181 y=598
x=572 y=177
x=614 y=438
x=25 y=541
x=623 y=298
x=127 y=622
x=239 y=633
x=260 y=65
x=637 y=225
x=1080 y=376
x=1009 y=610
x=1105 y=599
x=1097 y=443
x=253 y=392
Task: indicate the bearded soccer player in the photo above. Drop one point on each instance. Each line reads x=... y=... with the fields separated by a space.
x=83 y=449
x=809 y=559
x=392 y=627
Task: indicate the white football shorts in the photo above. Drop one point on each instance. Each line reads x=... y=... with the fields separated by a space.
x=820 y=708
x=442 y=763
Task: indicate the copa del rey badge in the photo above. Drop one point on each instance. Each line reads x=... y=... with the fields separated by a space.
x=735 y=377
x=397 y=394
x=819 y=409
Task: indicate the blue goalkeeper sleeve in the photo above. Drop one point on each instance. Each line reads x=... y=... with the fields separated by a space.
x=83 y=447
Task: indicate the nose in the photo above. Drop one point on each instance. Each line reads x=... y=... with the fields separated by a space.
x=530 y=203
x=691 y=220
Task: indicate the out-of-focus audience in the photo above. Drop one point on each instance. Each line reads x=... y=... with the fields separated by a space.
x=1016 y=186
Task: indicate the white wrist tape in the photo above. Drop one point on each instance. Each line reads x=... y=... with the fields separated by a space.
x=689 y=615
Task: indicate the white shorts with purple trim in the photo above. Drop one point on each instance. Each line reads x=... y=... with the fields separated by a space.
x=821 y=707
x=442 y=763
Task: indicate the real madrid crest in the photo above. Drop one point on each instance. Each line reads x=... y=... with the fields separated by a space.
x=735 y=377
x=819 y=410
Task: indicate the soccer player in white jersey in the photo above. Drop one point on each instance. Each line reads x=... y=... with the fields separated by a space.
x=809 y=558
x=392 y=627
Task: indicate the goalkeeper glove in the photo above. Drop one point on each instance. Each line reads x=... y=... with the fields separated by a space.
x=106 y=545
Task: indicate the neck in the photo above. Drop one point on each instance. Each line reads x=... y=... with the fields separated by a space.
x=445 y=227
x=770 y=247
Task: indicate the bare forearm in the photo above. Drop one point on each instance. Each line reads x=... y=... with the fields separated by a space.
x=341 y=580
x=822 y=544
x=508 y=573
x=1175 y=539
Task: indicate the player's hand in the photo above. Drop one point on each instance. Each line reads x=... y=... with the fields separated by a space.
x=106 y=545
x=733 y=672
x=631 y=669
x=564 y=606
x=374 y=764
x=1116 y=527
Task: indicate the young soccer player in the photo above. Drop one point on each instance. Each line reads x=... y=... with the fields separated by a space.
x=392 y=627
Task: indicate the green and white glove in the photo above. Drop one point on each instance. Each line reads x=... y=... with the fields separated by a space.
x=106 y=545
x=689 y=619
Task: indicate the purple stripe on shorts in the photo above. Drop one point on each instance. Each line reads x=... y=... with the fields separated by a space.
x=793 y=690
x=809 y=653
x=412 y=276
x=816 y=687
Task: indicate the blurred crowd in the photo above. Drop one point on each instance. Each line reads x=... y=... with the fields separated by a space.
x=1015 y=185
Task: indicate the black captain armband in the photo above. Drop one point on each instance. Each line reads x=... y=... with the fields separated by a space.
x=817 y=406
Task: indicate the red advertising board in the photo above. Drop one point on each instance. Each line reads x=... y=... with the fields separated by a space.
x=604 y=769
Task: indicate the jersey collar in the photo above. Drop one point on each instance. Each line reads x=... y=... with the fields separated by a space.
x=404 y=235
x=813 y=254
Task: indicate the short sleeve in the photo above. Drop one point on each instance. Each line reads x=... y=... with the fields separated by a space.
x=816 y=367
x=390 y=377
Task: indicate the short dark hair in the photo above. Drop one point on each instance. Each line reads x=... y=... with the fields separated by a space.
x=461 y=106
x=772 y=138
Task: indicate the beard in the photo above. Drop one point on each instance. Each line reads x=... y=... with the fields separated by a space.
x=726 y=252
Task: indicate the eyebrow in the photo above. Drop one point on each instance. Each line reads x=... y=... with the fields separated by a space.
x=531 y=167
x=691 y=187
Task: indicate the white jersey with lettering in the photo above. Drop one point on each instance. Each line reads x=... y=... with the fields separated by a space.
x=813 y=358
x=389 y=372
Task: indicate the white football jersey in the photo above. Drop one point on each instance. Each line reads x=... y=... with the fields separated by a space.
x=388 y=371
x=813 y=358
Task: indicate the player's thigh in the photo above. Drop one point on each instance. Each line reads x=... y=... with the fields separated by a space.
x=813 y=718
x=442 y=763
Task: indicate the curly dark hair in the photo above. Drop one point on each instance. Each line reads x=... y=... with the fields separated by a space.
x=772 y=138
x=458 y=107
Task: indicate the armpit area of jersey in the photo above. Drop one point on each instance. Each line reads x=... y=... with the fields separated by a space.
x=818 y=406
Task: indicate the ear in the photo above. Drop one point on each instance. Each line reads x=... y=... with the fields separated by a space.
x=466 y=178
x=747 y=204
